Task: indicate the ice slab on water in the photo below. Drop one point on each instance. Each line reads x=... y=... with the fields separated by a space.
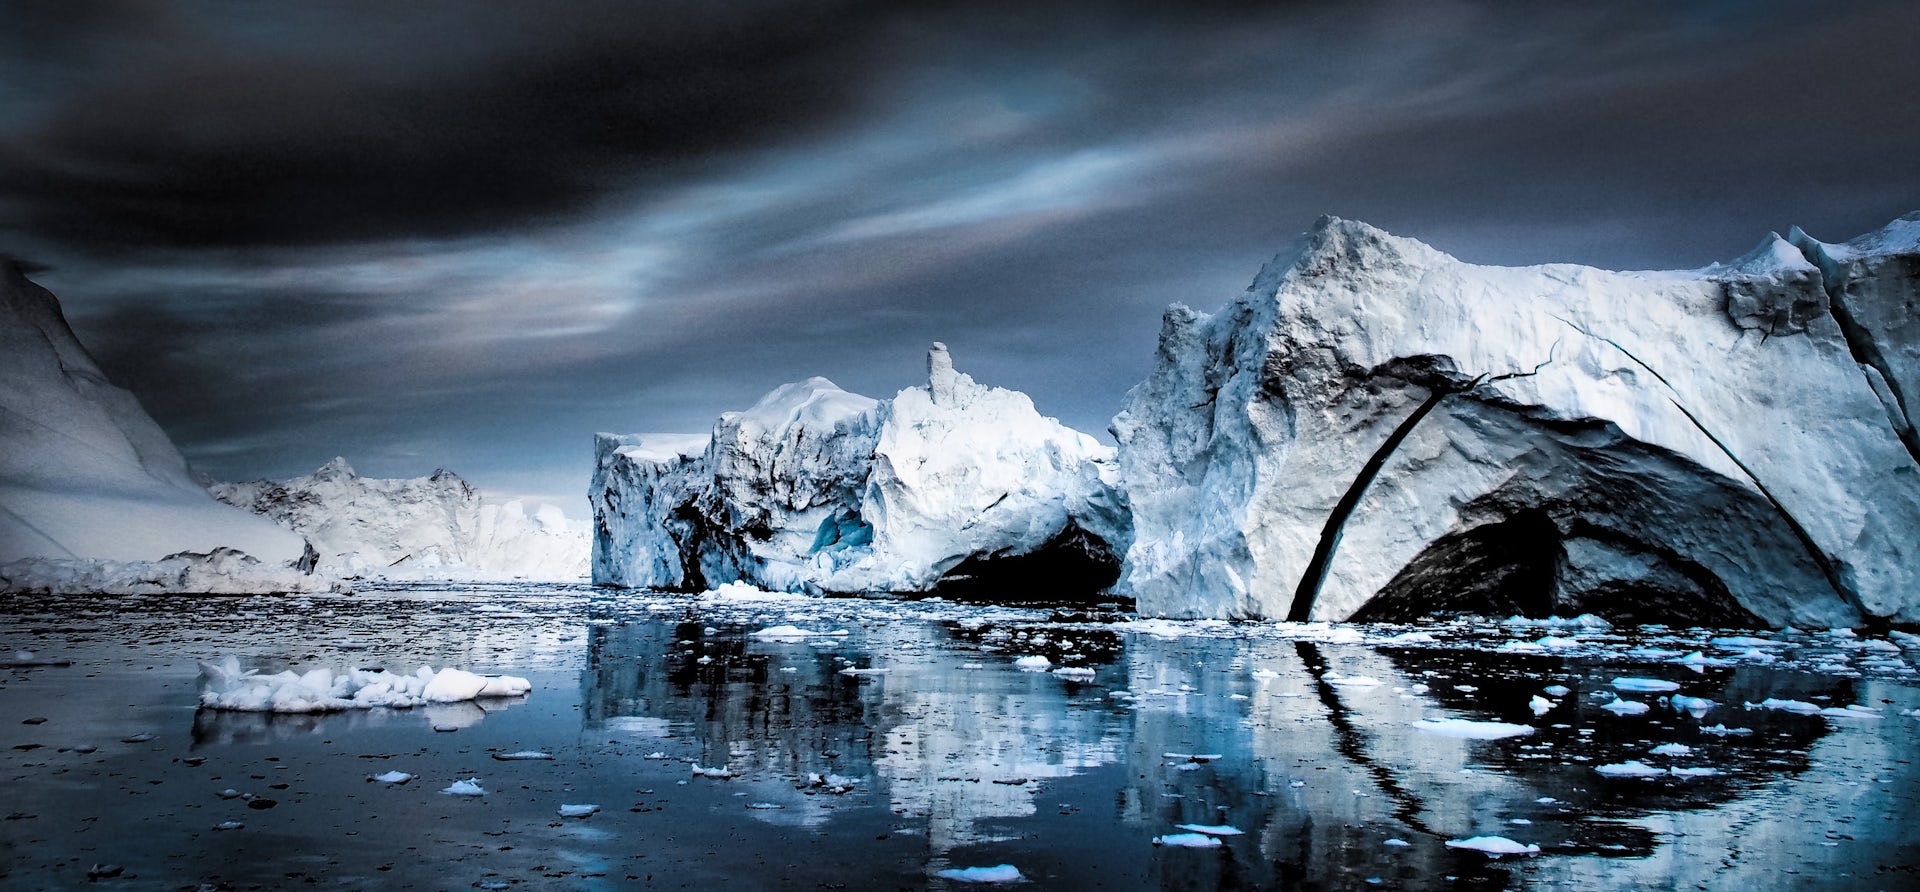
x=1471 y=730
x=1187 y=841
x=1212 y=829
x=578 y=811
x=1645 y=685
x=1001 y=873
x=1494 y=846
x=224 y=685
x=468 y=787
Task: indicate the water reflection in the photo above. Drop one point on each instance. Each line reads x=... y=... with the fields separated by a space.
x=1310 y=749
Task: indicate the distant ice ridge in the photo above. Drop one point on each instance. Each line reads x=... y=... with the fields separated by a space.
x=224 y=571
x=85 y=475
x=1375 y=430
x=815 y=489
x=435 y=527
x=224 y=685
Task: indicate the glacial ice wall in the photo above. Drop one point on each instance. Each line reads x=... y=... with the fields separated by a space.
x=1376 y=430
x=435 y=527
x=949 y=486
x=85 y=474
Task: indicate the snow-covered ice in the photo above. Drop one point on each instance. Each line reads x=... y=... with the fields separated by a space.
x=1187 y=841
x=1473 y=730
x=1494 y=846
x=224 y=685
x=999 y=873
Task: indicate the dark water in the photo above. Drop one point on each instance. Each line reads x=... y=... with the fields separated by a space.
x=951 y=757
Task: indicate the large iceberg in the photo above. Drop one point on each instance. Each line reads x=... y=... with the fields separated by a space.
x=85 y=475
x=436 y=526
x=953 y=486
x=1378 y=430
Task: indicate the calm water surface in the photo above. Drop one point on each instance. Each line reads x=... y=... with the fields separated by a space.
x=898 y=739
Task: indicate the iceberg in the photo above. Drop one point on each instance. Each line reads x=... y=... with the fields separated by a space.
x=434 y=527
x=1378 y=431
x=86 y=476
x=953 y=487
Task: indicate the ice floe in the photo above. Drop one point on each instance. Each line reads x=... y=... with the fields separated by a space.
x=468 y=787
x=1187 y=841
x=1000 y=873
x=1212 y=829
x=1494 y=846
x=1471 y=730
x=1645 y=685
x=578 y=811
x=224 y=685
x=390 y=777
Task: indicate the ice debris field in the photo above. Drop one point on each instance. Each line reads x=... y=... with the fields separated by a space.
x=534 y=733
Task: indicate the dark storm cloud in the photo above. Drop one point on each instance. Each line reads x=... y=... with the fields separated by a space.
x=470 y=235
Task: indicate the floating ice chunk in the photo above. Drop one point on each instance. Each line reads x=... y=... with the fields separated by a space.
x=1212 y=829
x=1074 y=673
x=850 y=670
x=1353 y=681
x=1466 y=688
x=223 y=685
x=1187 y=841
x=1695 y=772
x=1541 y=705
x=1741 y=642
x=1397 y=843
x=1698 y=659
x=1645 y=685
x=578 y=811
x=1852 y=712
x=141 y=737
x=1265 y=674
x=1557 y=690
x=969 y=666
x=1800 y=707
x=391 y=777
x=741 y=591
x=1625 y=707
x=523 y=756
x=1471 y=730
x=1631 y=768
x=229 y=825
x=1555 y=642
x=720 y=772
x=783 y=633
x=1672 y=749
x=1493 y=846
x=1001 y=873
x=468 y=787
x=1033 y=663
x=1696 y=705
x=1724 y=731
x=1411 y=638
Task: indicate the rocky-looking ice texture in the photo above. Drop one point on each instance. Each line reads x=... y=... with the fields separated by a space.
x=952 y=486
x=1377 y=430
x=428 y=527
x=85 y=474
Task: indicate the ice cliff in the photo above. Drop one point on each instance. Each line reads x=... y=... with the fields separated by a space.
x=434 y=527
x=1377 y=430
x=953 y=486
x=85 y=475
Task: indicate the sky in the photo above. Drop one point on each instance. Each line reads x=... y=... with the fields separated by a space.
x=471 y=234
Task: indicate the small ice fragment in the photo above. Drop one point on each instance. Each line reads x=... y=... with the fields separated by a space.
x=1493 y=846
x=468 y=787
x=1555 y=642
x=1470 y=730
x=1420 y=688
x=1645 y=685
x=1466 y=688
x=523 y=756
x=1187 y=841
x=1212 y=829
x=229 y=825
x=720 y=772
x=973 y=665
x=1631 y=768
x=1397 y=843
x=391 y=777
x=765 y=806
x=1800 y=707
x=1672 y=749
x=1411 y=638
x=1353 y=681
x=1074 y=673
x=1696 y=705
x=141 y=737
x=1695 y=772
x=782 y=633
x=1002 y=873
x=1541 y=705
x=1852 y=712
x=1724 y=731
x=850 y=670
x=1625 y=707
x=1297 y=784
x=228 y=793
x=1557 y=690
x=1265 y=674
x=656 y=754
x=1546 y=800
x=578 y=811
x=1033 y=663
